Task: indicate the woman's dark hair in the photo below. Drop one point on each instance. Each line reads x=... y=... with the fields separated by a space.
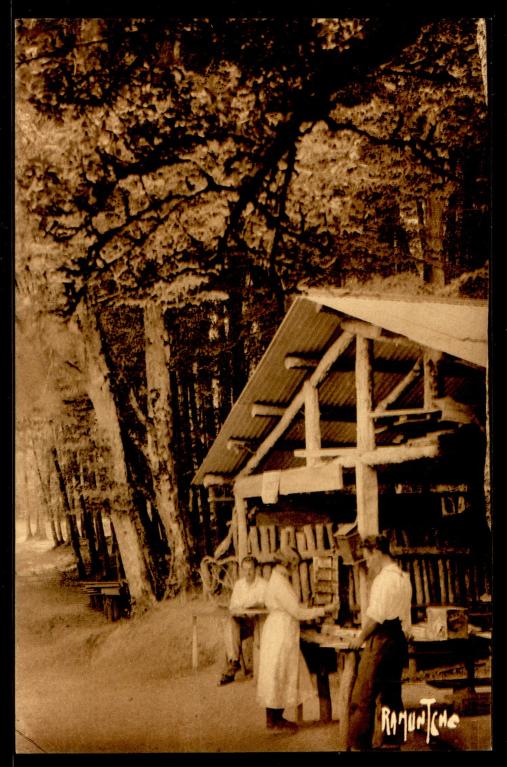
x=248 y=558
x=377 y=543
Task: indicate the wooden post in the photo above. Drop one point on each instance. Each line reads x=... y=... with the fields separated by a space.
x=347 y=678
x=240 y=505
x=432 y=379
x=312 y=421
x=366 y=476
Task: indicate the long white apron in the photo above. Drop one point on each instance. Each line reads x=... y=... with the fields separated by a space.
x=283 y=678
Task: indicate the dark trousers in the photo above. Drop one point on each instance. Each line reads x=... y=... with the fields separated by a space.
x=379 y=673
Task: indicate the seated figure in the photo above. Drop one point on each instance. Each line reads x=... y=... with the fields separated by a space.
x=248 y=593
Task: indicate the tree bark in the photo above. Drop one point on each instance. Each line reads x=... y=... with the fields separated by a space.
x=433 y=243
x=124 y=516
x=41 y=528
x=160 y=441
x=71 y=519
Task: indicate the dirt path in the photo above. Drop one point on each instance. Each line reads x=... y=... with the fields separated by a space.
x=85 y=685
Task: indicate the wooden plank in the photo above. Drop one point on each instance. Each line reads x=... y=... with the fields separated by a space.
x=312 y=575
x=456 y=580
x=450 y=585
x=432 y=580
x=325 y=587
x=442 y=580
x=273 y=543
x=304 y=579
x=470 y=582
x=253 y=540
x=320 y=372
x=426 y=585
x=330 y=536
x=264 y=540
x=418 y=583
x=301 y=542
x=266 y=572
x=319 y=535
x=296 y=583
x=310 y=539
x=284 y=537
x=291 y=534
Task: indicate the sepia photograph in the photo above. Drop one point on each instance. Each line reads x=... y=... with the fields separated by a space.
x=252 y=440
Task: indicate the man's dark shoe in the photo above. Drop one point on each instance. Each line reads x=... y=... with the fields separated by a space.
x=226 y=679
x=228 y=676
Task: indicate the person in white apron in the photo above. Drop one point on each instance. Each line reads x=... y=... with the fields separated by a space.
x=283 y=678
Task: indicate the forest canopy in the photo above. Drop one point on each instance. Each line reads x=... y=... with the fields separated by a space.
x=213 y=168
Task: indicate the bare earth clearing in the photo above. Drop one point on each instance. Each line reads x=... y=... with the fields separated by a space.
x=85 y=685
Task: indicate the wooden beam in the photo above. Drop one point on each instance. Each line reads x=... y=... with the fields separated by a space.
x=217 y=479
x=406 y=413
x=366 y=475
x=297 y=361
x=334 y=413
x=382 y=456
x=315 y=479
x=312 y=422
x=262 y=410
x=362 y=329
x=240 y=509
x=364 y=393
x=322 y=369
x=400 y=387
x=350 y=457
x=432 y=377
x=238 y=444
x=327 y=452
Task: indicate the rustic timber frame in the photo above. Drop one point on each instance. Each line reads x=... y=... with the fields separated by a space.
x=416 y=351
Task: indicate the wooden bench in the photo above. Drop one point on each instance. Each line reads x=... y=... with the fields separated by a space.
x=109 y=596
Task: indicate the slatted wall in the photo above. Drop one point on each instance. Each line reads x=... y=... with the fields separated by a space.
x=439 y=574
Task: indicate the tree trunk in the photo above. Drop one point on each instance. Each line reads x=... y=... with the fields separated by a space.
x=71 y=519
x=103 y=552
x=160 y=441
x=124 y=515
x=433 y=243
x=43 y=481
x=87 y=521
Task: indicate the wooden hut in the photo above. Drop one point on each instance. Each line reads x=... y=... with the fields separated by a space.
x=370 y=412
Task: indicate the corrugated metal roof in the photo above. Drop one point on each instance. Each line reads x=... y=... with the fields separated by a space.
x=458 y=329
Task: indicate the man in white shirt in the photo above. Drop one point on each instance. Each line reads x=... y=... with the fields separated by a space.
x=384 y=633
x=248 y=593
